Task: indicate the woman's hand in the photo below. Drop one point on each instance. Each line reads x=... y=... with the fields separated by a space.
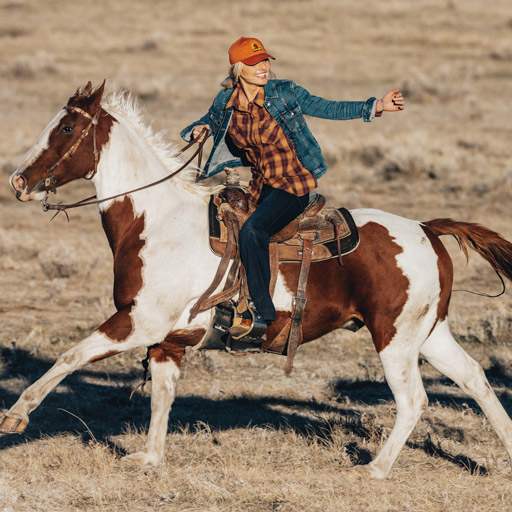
x=391 y=102
x=197 y=131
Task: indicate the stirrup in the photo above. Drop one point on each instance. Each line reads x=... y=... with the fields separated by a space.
x=250 y=330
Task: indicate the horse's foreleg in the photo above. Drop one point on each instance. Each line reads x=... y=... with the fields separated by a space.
x=448 y=357
x=404 y=379
x=93 y=348
x=164 y=375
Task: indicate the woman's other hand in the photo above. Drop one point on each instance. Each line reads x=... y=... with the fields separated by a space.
x=197 y=131
x=391 y=102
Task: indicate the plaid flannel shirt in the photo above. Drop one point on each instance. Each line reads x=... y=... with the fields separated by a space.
x=267 y=148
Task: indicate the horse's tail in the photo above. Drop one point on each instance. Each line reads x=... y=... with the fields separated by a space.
x=490 y=245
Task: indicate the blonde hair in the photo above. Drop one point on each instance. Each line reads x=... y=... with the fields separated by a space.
x=234 y=76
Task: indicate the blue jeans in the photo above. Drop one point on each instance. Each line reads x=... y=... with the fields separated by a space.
x=276 y=209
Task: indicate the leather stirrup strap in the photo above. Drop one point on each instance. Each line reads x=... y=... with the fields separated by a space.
x=202 y=303
x=233 y=280
x=234 y=270
x=244 y=292
x=299 y=303
x=274 y=267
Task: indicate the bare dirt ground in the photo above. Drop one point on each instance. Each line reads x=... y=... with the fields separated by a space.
x=242 y=437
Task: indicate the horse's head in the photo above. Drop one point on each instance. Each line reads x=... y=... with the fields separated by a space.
x=67 y=149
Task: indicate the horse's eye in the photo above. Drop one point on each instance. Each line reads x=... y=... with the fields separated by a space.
x=67 y=129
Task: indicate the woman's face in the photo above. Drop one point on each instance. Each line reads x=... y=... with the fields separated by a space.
x=256 y=74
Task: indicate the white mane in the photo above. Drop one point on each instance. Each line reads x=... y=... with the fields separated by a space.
x=123 y=105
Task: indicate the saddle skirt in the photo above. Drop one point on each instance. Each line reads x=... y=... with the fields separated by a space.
x=333 y=229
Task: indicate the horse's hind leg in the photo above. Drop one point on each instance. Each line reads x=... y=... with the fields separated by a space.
x=400 y=365
x=448 y=357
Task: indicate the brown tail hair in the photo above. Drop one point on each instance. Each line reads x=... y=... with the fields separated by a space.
x=490 y=245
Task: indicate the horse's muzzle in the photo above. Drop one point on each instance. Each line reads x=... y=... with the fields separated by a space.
x=19 y=185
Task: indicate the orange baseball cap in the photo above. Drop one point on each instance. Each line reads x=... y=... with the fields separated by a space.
x=248 y=50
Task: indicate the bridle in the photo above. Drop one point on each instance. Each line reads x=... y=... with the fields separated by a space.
x=49 y=182
x=50 y=179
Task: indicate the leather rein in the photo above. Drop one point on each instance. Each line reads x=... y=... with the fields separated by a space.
x=93 y=122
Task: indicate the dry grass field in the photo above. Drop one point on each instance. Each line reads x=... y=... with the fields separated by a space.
x=242 y=436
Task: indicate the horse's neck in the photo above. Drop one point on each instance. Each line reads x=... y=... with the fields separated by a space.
x=127 y=163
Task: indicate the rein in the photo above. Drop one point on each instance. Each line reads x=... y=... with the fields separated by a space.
x=50 y=180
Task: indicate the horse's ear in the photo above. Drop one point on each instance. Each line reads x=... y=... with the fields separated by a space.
x=97 y=95
x=82 y=93
x=87 y=90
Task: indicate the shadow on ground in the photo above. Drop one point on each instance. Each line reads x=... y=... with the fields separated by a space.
x=375 y=393
x=106 y=408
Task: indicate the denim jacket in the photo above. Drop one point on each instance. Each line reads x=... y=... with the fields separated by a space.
x=287 y=103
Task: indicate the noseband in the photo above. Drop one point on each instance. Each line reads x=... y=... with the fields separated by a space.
x=49 y=182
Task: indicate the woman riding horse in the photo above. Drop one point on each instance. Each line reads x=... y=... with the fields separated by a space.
x=400 y=292
x=259 y=121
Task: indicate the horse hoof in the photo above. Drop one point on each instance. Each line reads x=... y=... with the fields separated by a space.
x=142 y=459
x=365 y=472
x=11 y=425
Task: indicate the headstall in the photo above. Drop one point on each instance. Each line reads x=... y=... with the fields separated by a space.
x=49 y=182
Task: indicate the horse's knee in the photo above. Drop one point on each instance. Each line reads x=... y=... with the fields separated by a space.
x=473 y=381
x=414 y=403
x=408 y=391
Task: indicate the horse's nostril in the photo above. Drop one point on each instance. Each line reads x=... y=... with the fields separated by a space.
x=18 y=182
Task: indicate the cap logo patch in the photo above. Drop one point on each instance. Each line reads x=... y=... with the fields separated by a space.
x=255 y=47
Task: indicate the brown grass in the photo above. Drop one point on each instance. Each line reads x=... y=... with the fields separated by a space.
x=243 y=437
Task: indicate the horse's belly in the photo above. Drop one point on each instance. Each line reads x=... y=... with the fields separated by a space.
x=328 y=305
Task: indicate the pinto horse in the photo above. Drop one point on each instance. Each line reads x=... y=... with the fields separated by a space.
x=398 y=282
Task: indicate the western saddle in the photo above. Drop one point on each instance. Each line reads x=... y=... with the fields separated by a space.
x=318 y=234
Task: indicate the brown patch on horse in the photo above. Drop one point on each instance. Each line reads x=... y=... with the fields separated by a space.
x=123 y=229
x=445 y=266
x=110 y=353
x=369 y=286
x=119 y=326
x=174 y=344
x=327 y=307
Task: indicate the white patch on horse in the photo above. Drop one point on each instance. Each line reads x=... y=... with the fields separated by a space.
x=41 y=144
x=201 y=321
x=283 y=296
x=166 y=282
